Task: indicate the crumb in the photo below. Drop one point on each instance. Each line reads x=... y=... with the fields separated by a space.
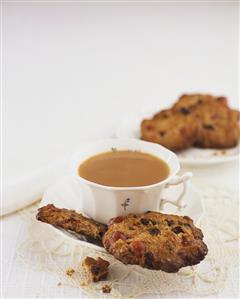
x=96 y=269
x=70 y=272
x=219 y=153
x=106 y=289
x=83 y=283
x=223 y=152
x=59 y=284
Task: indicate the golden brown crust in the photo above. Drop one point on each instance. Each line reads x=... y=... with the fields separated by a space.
x=155 y=241
x=218 y=128
x=73 y=221
x=193 y=101
x=194 y=120
x=96 y=269
x=106 y=289
x=170 y=129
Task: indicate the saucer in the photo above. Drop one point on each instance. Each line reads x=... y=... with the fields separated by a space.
x=66 y=194
x=130 y=128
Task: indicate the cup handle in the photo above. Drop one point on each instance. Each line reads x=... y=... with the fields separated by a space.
x=179 y=203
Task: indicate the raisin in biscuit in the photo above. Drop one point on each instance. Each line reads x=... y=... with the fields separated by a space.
x=170 y=129
x=73 y=221
x=155 y=241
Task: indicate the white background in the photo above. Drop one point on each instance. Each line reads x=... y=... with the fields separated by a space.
x=73 y=71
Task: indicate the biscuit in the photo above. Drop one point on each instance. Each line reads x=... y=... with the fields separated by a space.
x=73 y=221
x=170 y=129
x=155 y=241
x=189 y=102
x=219 y=127
x=194 y=120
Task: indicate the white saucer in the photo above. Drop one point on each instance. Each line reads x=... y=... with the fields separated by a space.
x=130 y=128
x=66 y=194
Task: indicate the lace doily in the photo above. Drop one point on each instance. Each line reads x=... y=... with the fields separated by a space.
x=44 y=250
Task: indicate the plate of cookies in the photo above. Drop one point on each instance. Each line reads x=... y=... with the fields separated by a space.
x=200 y=128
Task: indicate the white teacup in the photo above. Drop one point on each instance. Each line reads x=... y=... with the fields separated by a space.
x=103 y=202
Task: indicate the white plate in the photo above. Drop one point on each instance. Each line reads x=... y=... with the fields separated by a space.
x=66 y=194
x=130 y=128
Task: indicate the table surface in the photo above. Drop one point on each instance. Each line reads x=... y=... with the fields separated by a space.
x=73 y=71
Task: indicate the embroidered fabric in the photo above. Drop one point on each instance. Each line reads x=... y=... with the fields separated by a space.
x=45 y=250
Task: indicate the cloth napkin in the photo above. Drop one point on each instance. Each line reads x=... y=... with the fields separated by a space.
x=21 y=192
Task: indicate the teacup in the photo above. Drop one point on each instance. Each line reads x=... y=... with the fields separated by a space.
x=104 y=202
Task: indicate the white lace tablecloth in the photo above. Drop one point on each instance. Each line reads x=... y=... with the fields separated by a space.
x=39 y=260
